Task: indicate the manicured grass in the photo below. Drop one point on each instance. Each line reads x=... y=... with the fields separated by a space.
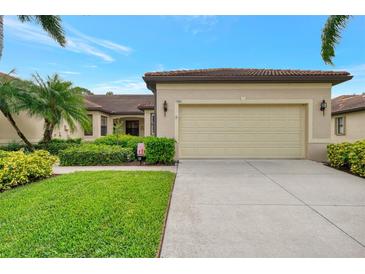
x=86 y=214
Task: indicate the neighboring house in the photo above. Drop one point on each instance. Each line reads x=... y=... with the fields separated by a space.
x=220 y=113
x=348 y=118
x=125 y=114
x=245 y=113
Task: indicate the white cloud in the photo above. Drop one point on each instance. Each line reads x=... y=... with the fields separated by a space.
x=198 y=24
x=100 y=42
x=70 y=72
x=121 y=86
x=79 y=42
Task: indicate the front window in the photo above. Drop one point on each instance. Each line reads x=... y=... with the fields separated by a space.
x=153 y=124
x=104 y=125
x=340 y=125
x=90 y=131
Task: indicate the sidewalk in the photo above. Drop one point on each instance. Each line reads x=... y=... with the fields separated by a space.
x=70 y=169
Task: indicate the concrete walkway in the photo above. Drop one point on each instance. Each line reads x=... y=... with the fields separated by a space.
x=70 y=169
x=265 y=208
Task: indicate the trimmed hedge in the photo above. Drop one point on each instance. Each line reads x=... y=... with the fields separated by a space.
x=338 y=154
x=349 y=156
x=13 y=146
x=159 y=150
x=56 y=145
x=53 y=147
x=127 y=141
x=19 y=168
x=357 y=158
x=95 y=154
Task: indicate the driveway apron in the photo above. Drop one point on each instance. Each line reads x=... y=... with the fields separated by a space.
x=265 y=208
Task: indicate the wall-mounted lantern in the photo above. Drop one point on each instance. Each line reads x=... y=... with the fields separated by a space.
x=165 y=107
x=323 y=106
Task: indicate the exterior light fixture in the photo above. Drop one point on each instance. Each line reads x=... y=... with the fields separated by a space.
x=165 y=107
x=323 y=106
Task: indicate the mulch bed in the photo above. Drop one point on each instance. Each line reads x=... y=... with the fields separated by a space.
x=347 y=170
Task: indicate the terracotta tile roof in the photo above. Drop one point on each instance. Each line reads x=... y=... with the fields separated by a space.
x=146 y=106
x=117 y=104
x=245 y=72
x=246 y=75
x=348 y=103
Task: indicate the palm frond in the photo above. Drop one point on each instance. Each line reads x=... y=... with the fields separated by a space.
x=331 y=35
x=52 y=24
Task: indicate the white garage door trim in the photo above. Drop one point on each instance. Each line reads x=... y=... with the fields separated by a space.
x=308 y=103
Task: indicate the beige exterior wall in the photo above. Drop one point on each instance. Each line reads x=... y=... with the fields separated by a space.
x=33 y=127
x=318 y=132
x=354 y=127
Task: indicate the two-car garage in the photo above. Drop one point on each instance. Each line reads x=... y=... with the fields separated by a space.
x=241 y=131
x=245 y=113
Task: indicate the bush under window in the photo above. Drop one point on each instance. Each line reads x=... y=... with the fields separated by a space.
x=348 y=156
x=56 y=145
x=127 y=141
x=95 y=154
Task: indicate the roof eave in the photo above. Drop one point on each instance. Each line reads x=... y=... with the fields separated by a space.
x=334 y=80
x=348 y=110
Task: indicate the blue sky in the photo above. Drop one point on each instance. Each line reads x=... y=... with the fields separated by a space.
x=111 y=53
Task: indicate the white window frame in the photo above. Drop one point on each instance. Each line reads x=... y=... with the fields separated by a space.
x=338 y=131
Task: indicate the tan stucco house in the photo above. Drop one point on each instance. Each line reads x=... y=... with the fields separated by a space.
x=348 y=118
x=109 y=114
x=245 y=113
x=219 y=113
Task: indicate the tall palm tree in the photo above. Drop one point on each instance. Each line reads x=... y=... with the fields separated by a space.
x=331 y=35
x=52 y=24
x=13 y=99
x=57 y=100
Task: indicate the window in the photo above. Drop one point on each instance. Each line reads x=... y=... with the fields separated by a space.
x=104 y=125
x=132 y=127
x=89 y=132
x=152 y=124
x=340 y=125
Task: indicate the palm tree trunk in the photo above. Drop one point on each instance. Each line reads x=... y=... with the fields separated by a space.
x=18 y=131
x=48 y=131
x=1 y=34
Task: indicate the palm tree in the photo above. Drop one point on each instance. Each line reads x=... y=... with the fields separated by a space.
x=13 y=99
x=331 y=35
x=49 y=23
x=57 y=100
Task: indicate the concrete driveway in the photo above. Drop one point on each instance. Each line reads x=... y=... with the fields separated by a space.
x=265 y=208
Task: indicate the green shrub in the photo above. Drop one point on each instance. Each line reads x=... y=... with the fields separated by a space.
x=357 y=158
x=159 y=150
x=56 y=145
x=338 y=154
x=19 y=168
x=127 y=141
x=13 y=146
x=95 y=154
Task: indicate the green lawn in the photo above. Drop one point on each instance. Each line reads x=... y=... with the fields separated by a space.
x=86 y=214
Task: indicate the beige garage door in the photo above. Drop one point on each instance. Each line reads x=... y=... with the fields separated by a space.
x=241 y=131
